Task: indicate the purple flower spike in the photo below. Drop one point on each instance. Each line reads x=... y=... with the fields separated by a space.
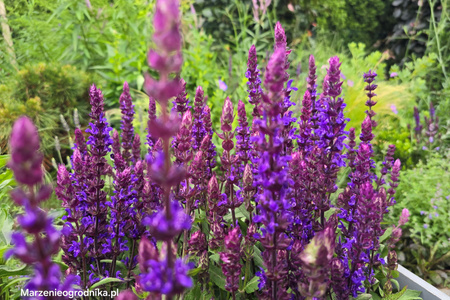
x=26 y=161
x=254 y=82
x=231 y=267
x=127 y=108
x=43 y=241
x=168 y=59
x=280 y=37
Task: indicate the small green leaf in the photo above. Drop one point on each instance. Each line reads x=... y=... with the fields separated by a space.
x=386 y=234
x=217 y=276
x=411 y=295
x=364 y=297
x=252 y=285
x=215 y=257
x=194 y=271
x=396 y=296
x=105 y=281
x=257 y=256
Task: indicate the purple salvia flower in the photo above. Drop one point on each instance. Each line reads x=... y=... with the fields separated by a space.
x=330 y=134
x=231 y=267
x=254 y=82
x=418 y=128
x=120 y=223
x=280 y=37
x=167 y=39
x=242 y=135
x=80 y=141
x=273 y=206
x=151 y=118
x=198 y=246
x=26 y=160
x=26 y=163
x=210 y=148
x=119 y=163
x=198 y=130
x=97 y=167
x=315 y=260
x=183 y=142
x=136 y=148
x=127 y=109
x=312 y=88
x=369 y=78
x=166 y=275
x=181 y=102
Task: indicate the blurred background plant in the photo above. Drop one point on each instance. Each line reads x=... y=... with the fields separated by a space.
x=425 y=247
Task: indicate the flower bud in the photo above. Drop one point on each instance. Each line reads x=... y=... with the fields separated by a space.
x=213 y=188
x=248 y=178
x=404 y=217
x=25 y=160
x=147 y=251
x=227 y=117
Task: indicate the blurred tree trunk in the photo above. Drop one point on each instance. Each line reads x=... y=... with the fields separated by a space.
x=7 y=34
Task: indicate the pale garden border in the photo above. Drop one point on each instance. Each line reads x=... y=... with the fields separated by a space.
x=414 y=282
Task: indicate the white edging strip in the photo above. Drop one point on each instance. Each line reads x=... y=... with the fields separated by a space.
x=414 y=282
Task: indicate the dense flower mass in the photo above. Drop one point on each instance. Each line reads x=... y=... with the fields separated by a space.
x=257 y=215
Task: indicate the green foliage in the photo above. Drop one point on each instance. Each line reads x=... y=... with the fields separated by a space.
x=43 y=92
x=425 y=191
x=354 y=65
x=351 y=20
x=57 y=86
x=110 y=39
x=6 y=179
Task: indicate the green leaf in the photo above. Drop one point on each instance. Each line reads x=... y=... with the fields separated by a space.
x=194 y=271
x=6 y=223
x=105 y=281
x=252 y=285
x=364 y=297
x=257 y=256
x=411 y=295
x=396 y=296
x=195 y=293
x=5 y=271
x=386 y=234
x=395 y=283
x=217 y=276
x=119 y=263
x=215 y=257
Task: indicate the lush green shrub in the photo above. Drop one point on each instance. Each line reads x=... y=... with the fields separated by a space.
x=110 y=39
x=43 y=92
x=425 y=191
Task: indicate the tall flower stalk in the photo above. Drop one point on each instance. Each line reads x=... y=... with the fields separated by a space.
x=39 y=239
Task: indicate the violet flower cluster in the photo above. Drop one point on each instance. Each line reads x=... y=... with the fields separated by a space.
x=190 y=215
